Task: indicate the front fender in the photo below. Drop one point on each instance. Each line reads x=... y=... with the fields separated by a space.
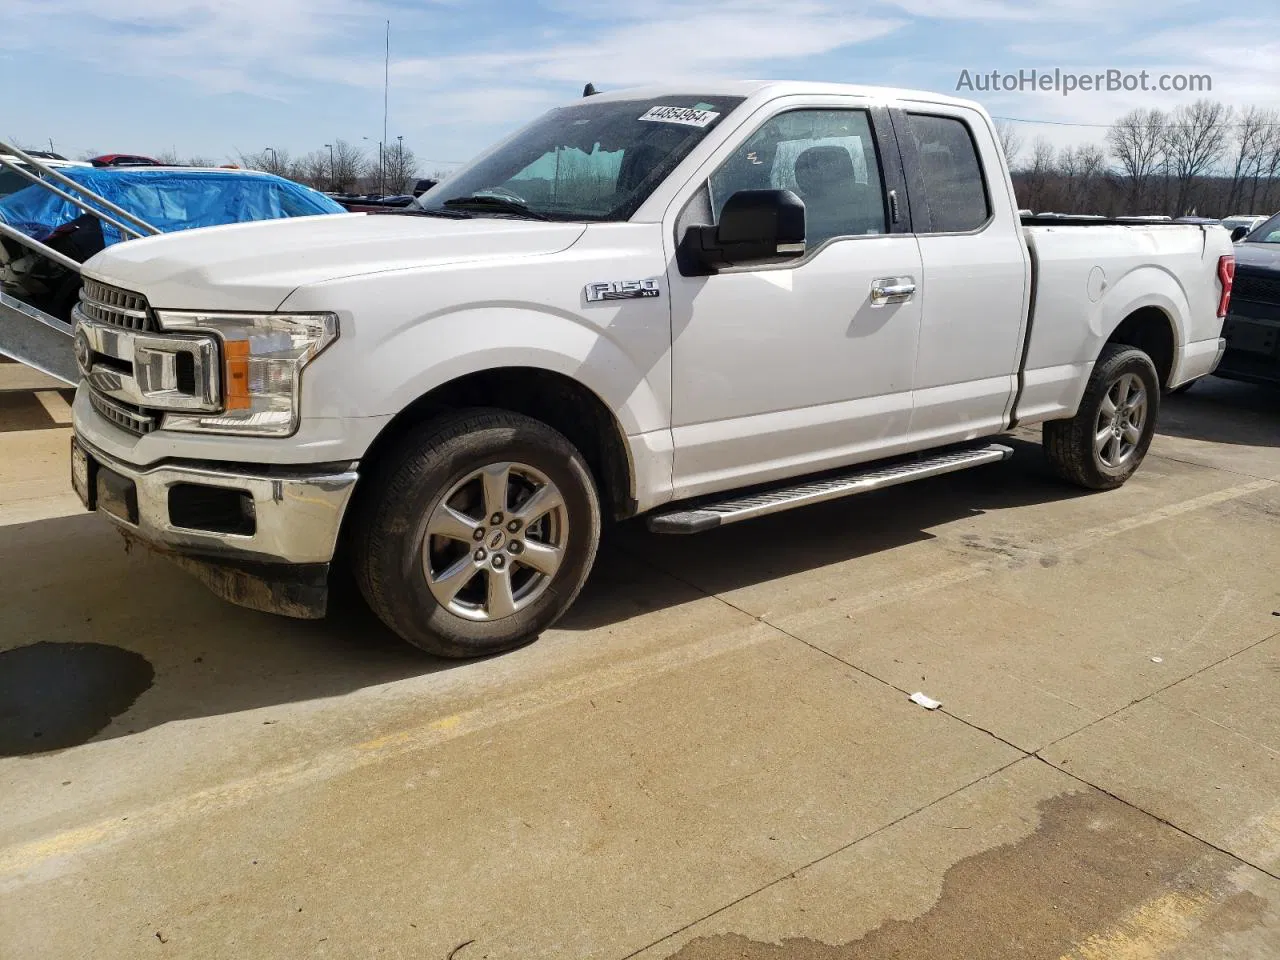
x=445 y=347
x=378 y=369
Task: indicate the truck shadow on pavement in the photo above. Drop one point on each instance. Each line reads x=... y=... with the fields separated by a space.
x=1224 y=411
x=68 y=582
x=785 y=544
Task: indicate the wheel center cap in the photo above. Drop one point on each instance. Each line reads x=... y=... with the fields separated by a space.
x=496 y=539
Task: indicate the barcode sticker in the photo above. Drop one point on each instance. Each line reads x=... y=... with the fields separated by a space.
x=686 y=116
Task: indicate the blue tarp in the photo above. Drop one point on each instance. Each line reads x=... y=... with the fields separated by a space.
x=168 y=199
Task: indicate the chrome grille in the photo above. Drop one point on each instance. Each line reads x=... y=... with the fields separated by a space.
x=108 y=304
x=123 y=415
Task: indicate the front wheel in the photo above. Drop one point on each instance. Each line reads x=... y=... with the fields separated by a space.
x=1105 y=442
x=477 y=534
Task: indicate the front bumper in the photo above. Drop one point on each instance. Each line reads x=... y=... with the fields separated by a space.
x=285 y=535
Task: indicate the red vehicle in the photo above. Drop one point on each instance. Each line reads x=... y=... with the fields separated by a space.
x=124 y=160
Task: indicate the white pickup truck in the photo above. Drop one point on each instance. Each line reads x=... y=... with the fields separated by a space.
x=699 y=305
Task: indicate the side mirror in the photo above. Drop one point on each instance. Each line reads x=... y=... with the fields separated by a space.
x=1239 y=233
x=756 y=226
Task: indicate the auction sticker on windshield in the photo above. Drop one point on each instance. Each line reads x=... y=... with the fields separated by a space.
x=688 y=116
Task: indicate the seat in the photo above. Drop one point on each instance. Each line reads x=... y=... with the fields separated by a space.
x=836 y=204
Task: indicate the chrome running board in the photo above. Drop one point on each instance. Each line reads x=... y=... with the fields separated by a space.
x=707 y=516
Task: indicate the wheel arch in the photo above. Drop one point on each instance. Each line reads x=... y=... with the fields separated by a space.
x=1151 y=330
x=1148 y=309
x=561 y=402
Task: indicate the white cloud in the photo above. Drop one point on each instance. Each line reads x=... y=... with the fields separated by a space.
x=1104 y=12
x=496 y=74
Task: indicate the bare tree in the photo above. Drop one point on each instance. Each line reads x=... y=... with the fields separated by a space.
x=1251 y=135
x=1080 y=169
x=1266 y=177
x=400 y=167
x=1196 y=140
x=347 y=166
x=1010 y=141
x=313 y=169
x=171 y=158
x=1039 y=173
x=270 y=159
x=1137 y=142
x=1091 y=161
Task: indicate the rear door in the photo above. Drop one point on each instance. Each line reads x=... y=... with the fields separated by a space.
x=975 y=273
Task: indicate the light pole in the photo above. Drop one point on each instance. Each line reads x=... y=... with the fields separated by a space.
x=333 y=185
x=275 y=164
x=400 y=161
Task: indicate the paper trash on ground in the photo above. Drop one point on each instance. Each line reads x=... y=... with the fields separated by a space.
x=927 y=702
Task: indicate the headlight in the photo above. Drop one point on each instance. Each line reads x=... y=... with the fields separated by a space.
x=263 y=356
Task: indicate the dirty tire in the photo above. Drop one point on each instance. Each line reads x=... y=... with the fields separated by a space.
x=1069 y=445
x=406 y=491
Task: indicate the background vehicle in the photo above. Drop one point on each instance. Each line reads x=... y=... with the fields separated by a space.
x=11 y=181
x=124 y=160
x=169 y=198
x=371 y=202
x=1252 y=328
x=700 y=307
x=1248 y=222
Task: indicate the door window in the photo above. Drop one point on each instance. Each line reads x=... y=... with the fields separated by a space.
x=953 y=183
x=826 y=157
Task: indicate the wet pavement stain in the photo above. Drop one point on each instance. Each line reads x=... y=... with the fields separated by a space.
x=1096 y=880
x=55 y=695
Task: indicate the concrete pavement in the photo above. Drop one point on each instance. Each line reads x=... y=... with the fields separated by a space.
x=714 y=755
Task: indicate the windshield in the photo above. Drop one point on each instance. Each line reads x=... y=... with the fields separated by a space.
x=11 y=181
x=595 y=160
x=1268 y=232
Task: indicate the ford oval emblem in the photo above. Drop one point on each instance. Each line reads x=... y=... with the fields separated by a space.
x=84 y=353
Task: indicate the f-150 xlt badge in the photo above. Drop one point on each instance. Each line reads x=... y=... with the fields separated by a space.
x=622 y=290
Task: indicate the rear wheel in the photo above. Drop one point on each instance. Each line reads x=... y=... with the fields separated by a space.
x=478 y=534
x=1106 y=441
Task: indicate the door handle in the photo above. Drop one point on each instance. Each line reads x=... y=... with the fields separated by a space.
x=892 y=290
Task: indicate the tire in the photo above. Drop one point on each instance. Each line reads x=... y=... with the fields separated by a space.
x=442 y=483
x=1073 y=447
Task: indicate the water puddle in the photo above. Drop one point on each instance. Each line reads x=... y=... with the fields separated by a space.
x=55 y=695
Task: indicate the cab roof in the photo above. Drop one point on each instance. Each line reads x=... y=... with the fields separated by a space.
x=765 y=90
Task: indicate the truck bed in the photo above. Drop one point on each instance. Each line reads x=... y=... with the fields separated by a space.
x=1108 y=269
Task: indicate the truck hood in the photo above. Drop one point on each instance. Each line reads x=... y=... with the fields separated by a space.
x=1258 y=256
x=255 y=266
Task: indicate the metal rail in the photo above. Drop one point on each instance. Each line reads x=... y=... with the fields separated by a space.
x=52 y=174
x=27 y=333
x=37 y=339
x=41 y=248
x=128 y=231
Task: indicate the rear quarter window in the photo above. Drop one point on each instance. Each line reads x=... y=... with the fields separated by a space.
x=955 y=189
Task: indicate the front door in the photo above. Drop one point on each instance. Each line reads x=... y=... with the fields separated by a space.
x=791 y=368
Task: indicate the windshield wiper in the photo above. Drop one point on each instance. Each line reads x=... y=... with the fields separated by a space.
x=486 y=202
x=420 y=212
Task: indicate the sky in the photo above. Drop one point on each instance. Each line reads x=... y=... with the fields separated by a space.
x=216 y=77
